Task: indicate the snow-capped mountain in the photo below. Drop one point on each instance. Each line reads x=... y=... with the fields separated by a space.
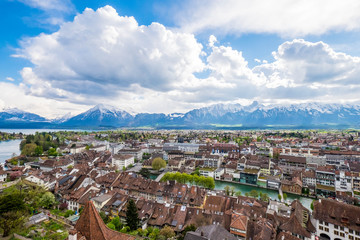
x=255 y=115
x=14 y=114
x=100 y=115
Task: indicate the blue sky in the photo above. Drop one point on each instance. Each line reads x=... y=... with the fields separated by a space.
x=172 y=56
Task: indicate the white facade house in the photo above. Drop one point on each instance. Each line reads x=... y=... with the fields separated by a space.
x=3 y=175
x=218 y=173
x=122 y=160
x=343 y=181
x=40 y=182
x=207 y=172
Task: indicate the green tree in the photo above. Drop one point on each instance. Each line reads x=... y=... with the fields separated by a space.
x=227 y=190
x=11 y=220
x=312 y=205
x=284 y=196
x=29 y=149
x=253 y=193
x=132 y=217
x=238 y=193
x=47 y=200
x=145 y=172
x=111 y=226
x=188 y=228
x=158 y=163
x=167 y=232
x=232 y=190
x=264 y=197
x=38 y=150
x=279 y=197
x=52 y=152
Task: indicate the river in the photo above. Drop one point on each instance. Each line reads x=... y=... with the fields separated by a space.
x=219 y=185
x=8 y=148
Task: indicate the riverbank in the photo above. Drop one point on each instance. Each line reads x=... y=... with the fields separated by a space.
x=273 y=194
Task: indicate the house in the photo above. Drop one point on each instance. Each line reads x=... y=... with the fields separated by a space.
x=3 y=175
x=210 y=232
x=101 y=200
x=249 y=176
x=77 y=149
x=325 y=181
x=336 y=220
x=136 y=152
x=343 y=182
x=293 y=186
x=238 y=225
x=299 y=223
x=122 y=160
x=218 y=173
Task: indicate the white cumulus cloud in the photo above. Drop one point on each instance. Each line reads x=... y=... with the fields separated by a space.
x=283 y=17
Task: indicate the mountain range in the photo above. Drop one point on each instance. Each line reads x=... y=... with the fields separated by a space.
x=218 y=116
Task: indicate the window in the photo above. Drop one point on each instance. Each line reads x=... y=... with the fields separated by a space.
x=321 y=228
x=336 y=226
x=326 y=229
x=342 y=228
x=326 y=224
x=351 y=231
x=342 y=234
x=351 y=237
x=336 y=232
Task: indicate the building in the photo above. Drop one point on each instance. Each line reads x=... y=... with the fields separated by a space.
x=3 y=175
x=343 y=182
x=325 y=181
x=336 y=221
x=249 y=176
x=122 y=160
x=90 y=226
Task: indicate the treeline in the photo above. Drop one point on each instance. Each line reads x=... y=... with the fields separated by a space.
x=206 y=182
x=10 y=136
x=36 y=144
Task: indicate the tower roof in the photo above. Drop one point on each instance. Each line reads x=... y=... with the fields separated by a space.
x=91 y=226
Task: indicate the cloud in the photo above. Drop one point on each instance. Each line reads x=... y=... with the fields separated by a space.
x=54 y=11
x=100 y=53
x=102 y=57
x=283 y=17
x=300 y=62
x=10 y=79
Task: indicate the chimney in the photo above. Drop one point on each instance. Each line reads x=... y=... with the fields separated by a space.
x=72 y=234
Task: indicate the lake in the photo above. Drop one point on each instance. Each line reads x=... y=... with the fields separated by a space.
x=8 y=148
x=33 y=131
x=273 y=194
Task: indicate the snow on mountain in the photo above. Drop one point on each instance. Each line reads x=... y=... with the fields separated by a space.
x=254 y=115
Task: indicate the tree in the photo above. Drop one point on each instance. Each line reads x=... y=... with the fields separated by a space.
x=253 y=193
x=158 y=163
x=145 y=172
x=38 y=150
x=279 y=197
x=29 y=149
x=264 y=197
x=52 y=152
x=284 y=196
x=132 y=217
x=232 y=190
x=188 y=228
x=312 y=205
x=11 y=220
x=167 y=232
x=238 y=193
x=47 y=200
x=227 y=190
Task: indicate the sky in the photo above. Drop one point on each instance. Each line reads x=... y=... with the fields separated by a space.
x=65 y=56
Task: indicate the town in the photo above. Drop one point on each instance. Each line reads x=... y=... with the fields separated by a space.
x=184 y=184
